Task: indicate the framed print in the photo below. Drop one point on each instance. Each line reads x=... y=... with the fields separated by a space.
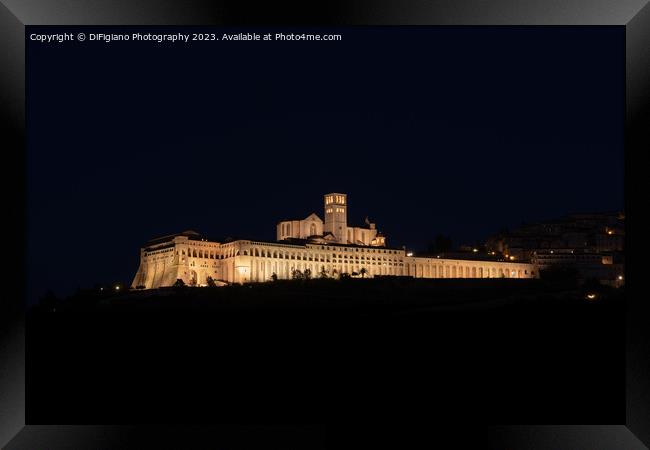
x=343 y=225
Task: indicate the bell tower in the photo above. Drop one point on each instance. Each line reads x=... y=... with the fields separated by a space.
x=336 y=216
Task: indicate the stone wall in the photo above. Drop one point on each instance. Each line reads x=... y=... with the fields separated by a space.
x=243 y=261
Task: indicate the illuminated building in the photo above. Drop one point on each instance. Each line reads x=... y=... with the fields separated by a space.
x=324 y=248
x=592 y=244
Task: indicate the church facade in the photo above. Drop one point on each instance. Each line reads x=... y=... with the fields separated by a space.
x=324 y=248
x=334 y=230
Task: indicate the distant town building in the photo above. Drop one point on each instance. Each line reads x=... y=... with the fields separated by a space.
x=593 y=244
x=328 y=248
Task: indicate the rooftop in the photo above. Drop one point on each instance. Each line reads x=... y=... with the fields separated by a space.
x=190 y=234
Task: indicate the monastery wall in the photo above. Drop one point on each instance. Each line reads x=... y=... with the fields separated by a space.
x=244 y=261
x=194 y=260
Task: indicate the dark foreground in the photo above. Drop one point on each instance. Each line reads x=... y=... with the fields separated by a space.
x=489 y=351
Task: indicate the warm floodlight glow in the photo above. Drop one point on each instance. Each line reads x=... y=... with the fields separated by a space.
x=591 y=296
x=117 y=288
x=320 y=250
x=620 y=277
x=610 y=232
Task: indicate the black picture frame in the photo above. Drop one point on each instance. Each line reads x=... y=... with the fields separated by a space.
x=15 y=15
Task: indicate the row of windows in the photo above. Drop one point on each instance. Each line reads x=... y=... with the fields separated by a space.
x=286 y=229
x=275 y=244
x=226 y=253
x=309 y=257
x=157 y=252
x=200 y=254
x=362 y=250
x=464 y=271
x=330 y=247
x=340 y=199
x=342 y=260
x=335 y=258
x=256 y=252
x=418 y=271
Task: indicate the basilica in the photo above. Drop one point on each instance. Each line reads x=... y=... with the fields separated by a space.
x=335 y=229
x=328 y=247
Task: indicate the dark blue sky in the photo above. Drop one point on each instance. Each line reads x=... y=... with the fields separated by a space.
x=434 y=130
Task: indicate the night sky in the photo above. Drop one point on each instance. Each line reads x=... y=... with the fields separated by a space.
x=459 y=131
